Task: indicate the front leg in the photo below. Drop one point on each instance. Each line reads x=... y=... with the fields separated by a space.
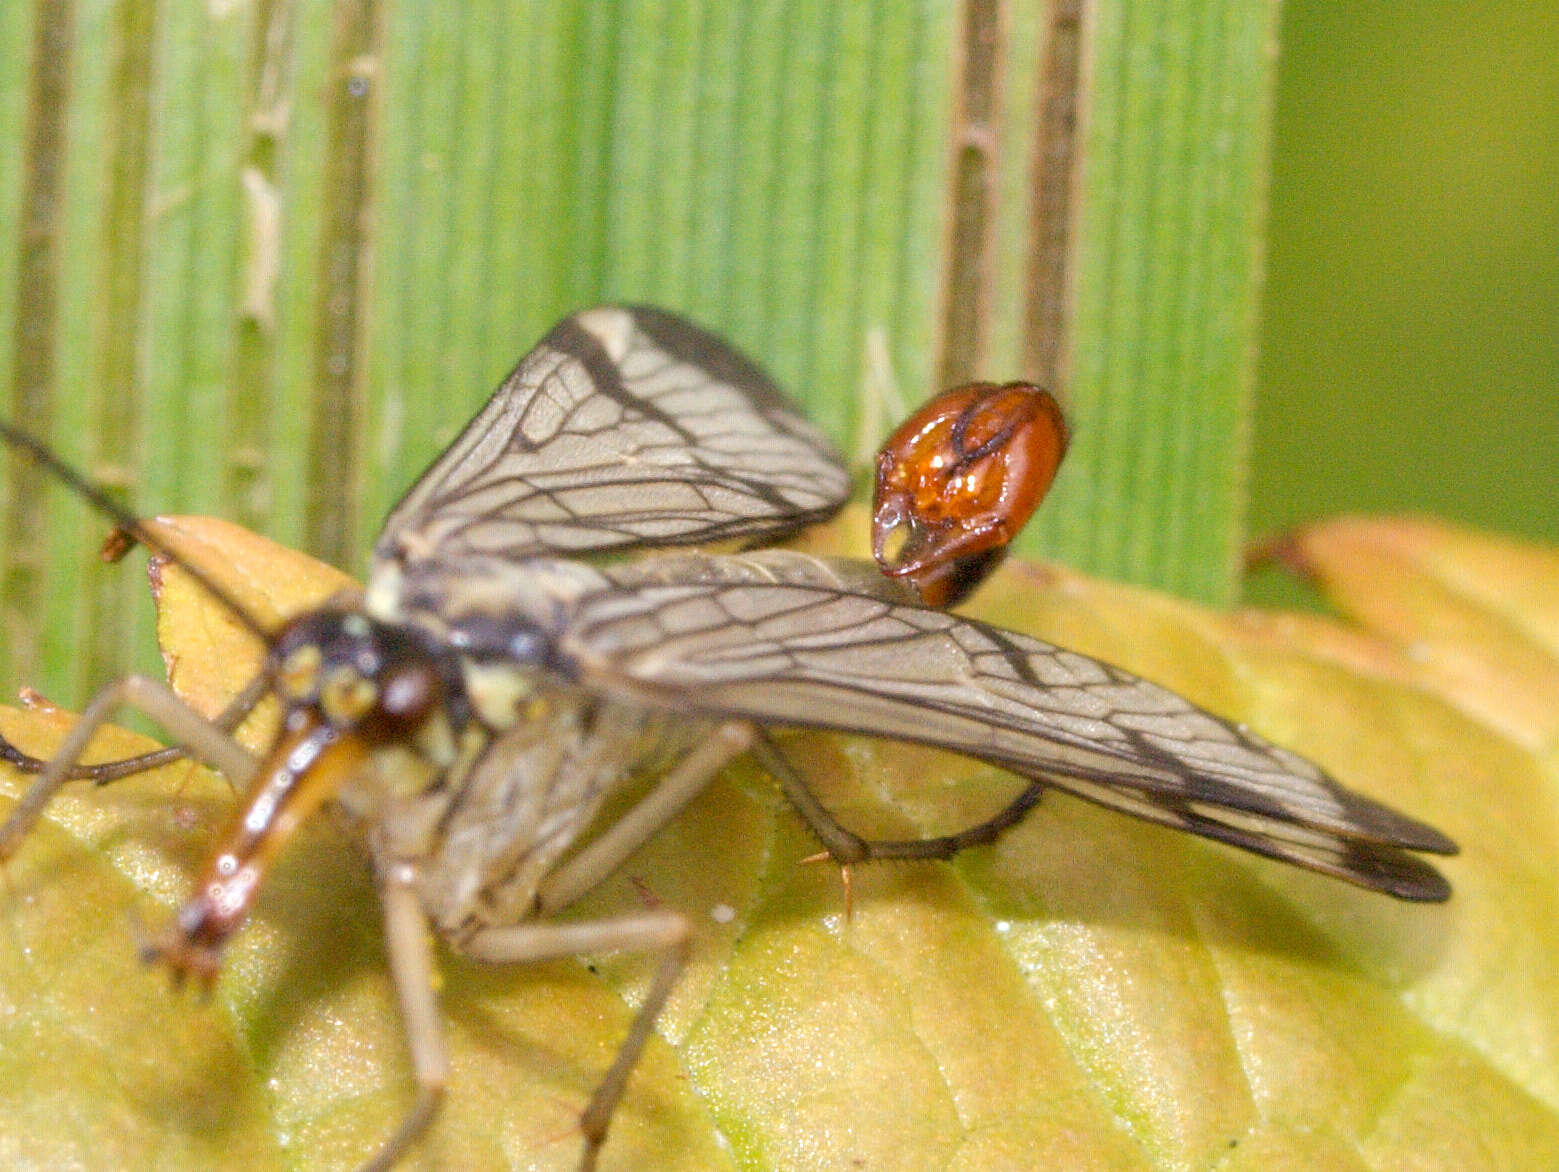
x=407 y=940
x=194 y=732
x=238 y=708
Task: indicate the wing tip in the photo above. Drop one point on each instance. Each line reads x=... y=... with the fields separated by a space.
x=1378 y=823
x=1395 y=872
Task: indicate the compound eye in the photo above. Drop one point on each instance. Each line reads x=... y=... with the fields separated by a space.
x=409 y=692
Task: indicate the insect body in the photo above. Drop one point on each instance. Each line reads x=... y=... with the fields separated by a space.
x=499 y=679
x=958 y=479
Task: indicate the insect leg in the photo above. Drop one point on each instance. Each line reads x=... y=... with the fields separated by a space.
x=159 y=702
x=658 y=929
x=411 y=968
x=681 y=785
x=239 y=707
x=847 y=847
x=102 y=773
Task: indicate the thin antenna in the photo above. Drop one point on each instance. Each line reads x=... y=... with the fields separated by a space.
x=127 y=521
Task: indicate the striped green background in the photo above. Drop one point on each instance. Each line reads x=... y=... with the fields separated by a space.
x=265 y=257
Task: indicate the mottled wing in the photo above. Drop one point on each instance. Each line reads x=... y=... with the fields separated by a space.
x=624 y=428
x=786 y=639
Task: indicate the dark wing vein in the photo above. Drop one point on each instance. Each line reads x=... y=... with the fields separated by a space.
x=787 y=639
x=624 y=428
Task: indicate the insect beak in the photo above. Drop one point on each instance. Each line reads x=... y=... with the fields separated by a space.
x=307 y=765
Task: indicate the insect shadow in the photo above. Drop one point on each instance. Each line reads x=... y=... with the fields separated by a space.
x=509 y=665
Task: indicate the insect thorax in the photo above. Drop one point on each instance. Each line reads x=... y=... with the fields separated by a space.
x=535 y=761
x=485 y=835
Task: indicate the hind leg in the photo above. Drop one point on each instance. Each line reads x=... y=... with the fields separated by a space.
x=847 y=848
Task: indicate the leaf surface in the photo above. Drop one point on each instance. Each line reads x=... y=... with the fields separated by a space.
x=1087 y=993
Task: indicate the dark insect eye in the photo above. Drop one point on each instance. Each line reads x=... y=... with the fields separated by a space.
x=409 y=692
x=958 y=480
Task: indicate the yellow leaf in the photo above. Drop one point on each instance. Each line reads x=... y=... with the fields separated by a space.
x=209 y=653
x=1090 y=992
